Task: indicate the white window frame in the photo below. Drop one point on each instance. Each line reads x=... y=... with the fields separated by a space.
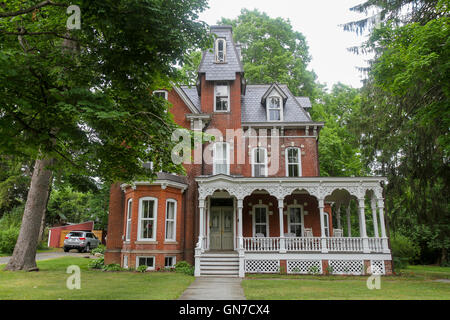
x=301 y=215
x=155 y=218
x=174 y=220
x=174 y=261
x=166 y=94
x=216 y=50
x=254 y=219
x=128 y=223
x=125 y=261
x=299 y=164
x=265 y=163
x=222 y=84
x=215 y=160
x=268 y=108
x=148 y=268
x=326 y=224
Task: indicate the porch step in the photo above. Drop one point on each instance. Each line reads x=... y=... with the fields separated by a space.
x=219 y=264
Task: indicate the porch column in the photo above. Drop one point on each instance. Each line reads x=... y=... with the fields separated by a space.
x=280 y=214
x=201 y=232
x=322 y=226
x=241 y=250
x=349 y=222
x=373 y=205
x=383 y=227
x=338 y=215
x=240 y=205
x=362 y=222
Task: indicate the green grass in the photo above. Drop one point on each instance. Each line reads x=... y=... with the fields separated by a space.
x=50 y=283
x=412 y=283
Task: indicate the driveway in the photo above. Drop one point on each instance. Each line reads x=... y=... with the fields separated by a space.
x=212 y=288
x=50 y=255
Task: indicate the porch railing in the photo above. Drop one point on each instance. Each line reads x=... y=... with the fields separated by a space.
x=312 y=244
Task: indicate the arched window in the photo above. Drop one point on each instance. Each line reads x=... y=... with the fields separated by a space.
x=259 y=162
x=293 y=162
x=221 y=50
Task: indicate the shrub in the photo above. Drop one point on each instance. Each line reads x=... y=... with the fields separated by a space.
x=8 y=239
x=142 y=268
x=97 y=263
x=112 y=267
x=404 y=250
x=184 y=267
x=99 y=249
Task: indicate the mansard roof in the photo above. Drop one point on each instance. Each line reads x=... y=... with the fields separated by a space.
x=254 y=111
x=215 y=71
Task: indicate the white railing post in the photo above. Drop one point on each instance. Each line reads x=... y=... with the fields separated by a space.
x=322 y=226
x=363 y=232
x=383 y=227
x=280 y=212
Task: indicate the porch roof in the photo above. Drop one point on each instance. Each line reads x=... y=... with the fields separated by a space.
x=339 y=189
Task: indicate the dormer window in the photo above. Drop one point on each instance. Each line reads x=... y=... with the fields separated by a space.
x=221 y=97
x=274 y=108
x=221 y=50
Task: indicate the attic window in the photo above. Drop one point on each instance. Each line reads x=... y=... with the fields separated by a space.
x=161 y=93
x=221 y=50
x=274 y=109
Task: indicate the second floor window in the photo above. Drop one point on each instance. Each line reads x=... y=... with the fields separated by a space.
x=259 y=162
x=221 y=96
x=293 y=164
x=221 y=158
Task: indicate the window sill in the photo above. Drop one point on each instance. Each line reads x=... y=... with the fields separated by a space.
x=170 y=242
x=222 y=112
x=146 y=242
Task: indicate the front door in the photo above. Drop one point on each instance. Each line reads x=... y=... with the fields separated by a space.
x=221 y=228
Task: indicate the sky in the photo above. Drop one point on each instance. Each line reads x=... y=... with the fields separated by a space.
x=318 y=21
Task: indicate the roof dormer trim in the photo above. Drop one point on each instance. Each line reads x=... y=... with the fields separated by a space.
x=268 y=93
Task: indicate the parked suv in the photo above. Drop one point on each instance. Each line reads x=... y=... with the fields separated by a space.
x=83 y=241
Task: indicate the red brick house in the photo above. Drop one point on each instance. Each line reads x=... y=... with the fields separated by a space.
x=253 y=199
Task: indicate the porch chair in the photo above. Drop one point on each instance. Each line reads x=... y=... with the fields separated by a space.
x=308 y=232
x=337 y=233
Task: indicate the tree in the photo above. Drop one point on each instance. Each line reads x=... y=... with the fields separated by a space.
x=80 y=100
x=339 y=151
x=273 y=52
x=404 y=118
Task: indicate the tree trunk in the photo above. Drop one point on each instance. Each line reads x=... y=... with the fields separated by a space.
x=24 y=254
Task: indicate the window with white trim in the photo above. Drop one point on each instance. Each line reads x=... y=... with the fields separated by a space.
x=259 y=162
x=147 y=218
x=274 y=108
x=295 y=217
x=169 y=262
x=125 y=261
x=293 y=162
x=220 y=50
x=171 y=215
x=326 y=223
x=260 y=220
x=146 y=261
x=221 y=97
x=161 y=93
x=221 y=158
x=128 y=227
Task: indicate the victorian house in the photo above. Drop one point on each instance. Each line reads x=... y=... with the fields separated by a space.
x=259 y=204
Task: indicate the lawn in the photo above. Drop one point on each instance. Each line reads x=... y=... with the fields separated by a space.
x=50 y=283
x=413 y=283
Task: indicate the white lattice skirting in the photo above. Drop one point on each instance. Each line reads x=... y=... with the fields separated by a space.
x=304 y=266
x=262 y=266
x=354 y=267
x=377 y=267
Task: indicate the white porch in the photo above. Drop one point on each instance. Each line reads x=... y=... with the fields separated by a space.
x=264 y=253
